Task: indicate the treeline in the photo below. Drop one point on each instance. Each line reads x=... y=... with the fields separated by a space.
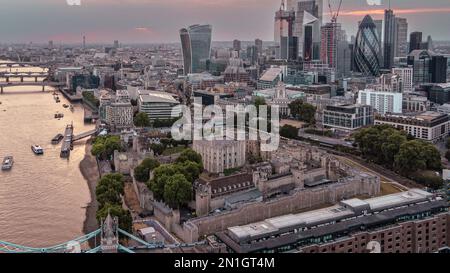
x=172 y=183
x=397 y=151
x=109 y=192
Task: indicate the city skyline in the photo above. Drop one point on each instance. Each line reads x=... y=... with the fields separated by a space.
x=145 y=21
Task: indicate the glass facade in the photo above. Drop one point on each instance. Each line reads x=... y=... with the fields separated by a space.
x=196 y=43
x=186 y=49
x=367 y=48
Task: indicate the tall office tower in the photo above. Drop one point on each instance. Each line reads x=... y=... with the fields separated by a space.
x=330 y=36
x=389 y=38
x=401 y=37
x=196 y=47
x=259 y=46
x=288 y=42
x=379 y=28
x=252 y=54
x=438 y=69
x=344 y=59
x=415 y=41
x=367 y=48
x=237 y=45
x=84 y=42
x=430 y=45
x=428 y=67
x=50 y=44
x=308 y=15
x=116 y=44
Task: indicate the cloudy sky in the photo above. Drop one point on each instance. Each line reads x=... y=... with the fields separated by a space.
x=151 y=21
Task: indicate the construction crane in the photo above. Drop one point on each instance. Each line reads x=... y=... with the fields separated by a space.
x=334 y=15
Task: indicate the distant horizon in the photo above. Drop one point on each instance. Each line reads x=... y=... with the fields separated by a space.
x=158 y=21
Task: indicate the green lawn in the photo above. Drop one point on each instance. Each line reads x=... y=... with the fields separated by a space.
x=173 y=150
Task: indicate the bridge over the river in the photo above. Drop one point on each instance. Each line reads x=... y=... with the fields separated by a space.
x=109 y=242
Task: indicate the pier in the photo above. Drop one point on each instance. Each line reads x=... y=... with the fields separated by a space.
x=70 y=138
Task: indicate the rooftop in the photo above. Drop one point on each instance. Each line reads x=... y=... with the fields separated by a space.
x=345 y=209
x=156 y=96
x=271 y=74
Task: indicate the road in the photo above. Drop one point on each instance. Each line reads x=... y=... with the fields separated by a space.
x=324 y=139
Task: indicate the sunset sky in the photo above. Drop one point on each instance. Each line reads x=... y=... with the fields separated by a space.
x=151 y=21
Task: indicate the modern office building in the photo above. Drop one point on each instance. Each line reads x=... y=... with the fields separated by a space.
x=414 y=221
x=382 y=101
x=401 y=37
x=329 y=43
x=348 y=117
x=428 y=67
x=428 y=126
x=270 y=78
x=237 y=45
x=366 y=49
x=158 y=105
x=406 y=75
x=389 y=38
x=415 y=41
x=439 y=93
x=438 y=69
x=196 y=47
x=259 y=46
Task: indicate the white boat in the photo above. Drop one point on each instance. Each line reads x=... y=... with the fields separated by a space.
x=7 y=163
x=37 y=149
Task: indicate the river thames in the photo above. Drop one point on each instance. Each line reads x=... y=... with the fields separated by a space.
x=43 y=199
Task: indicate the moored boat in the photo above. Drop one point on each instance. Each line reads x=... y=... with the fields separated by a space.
x=57 y=139
x=38 y=150
x=8 y=162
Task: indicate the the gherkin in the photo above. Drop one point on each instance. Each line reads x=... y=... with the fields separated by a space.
x=367 y=48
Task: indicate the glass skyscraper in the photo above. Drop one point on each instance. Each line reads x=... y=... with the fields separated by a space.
x=196 y=46
x=389 y=38
x=367 y=48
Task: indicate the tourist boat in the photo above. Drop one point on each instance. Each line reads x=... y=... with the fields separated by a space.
x=57 y=139
x=37 y=149
x=7 y=163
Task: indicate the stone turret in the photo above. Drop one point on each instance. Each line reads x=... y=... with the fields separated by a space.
x=110 y=237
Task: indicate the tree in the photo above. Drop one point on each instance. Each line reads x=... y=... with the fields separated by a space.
x=259 y=101
x=98 y=149
x=161 y=176
x=142 y=172
x=104 y=146
x=158 y=149
x=124 y=216
x=112 y=143
x=142 y=120
x=391 y=147
x=303 y=111
x=409 y=159
x=191 y=170
x=177 y=191
x=190 y=155
x=447 y=155
x=289 y=131
x=109 y=189
x=428 y=179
